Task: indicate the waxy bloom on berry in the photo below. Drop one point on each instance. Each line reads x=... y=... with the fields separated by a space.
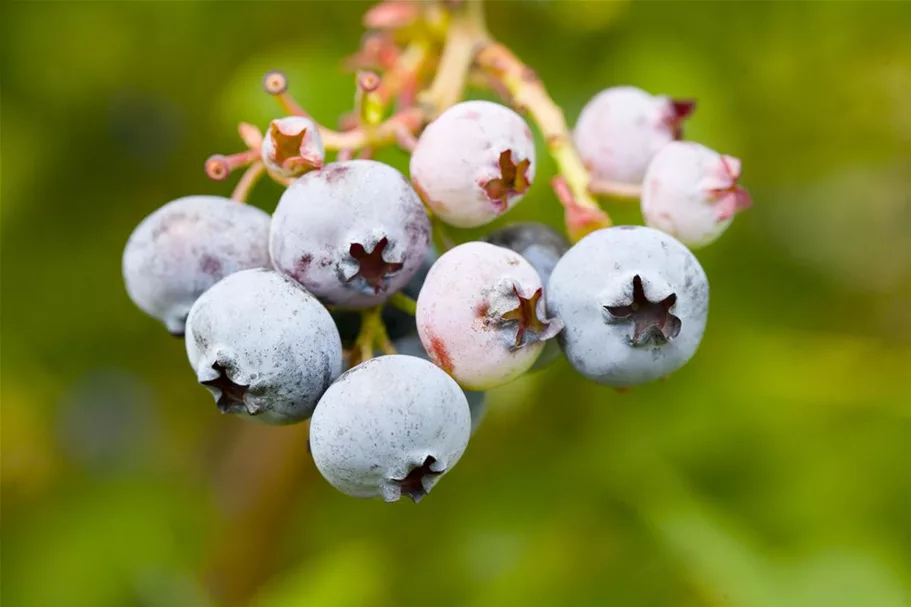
x=390 y=427
x=634 y=303
x=263 y=346
x=353 y=233
x=185 y=247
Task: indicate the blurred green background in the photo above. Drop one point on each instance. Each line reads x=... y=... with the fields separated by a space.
x=773 y=470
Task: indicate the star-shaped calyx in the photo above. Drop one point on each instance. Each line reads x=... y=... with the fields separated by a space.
x=412 y=484
x=371 y=266
x=525 y=314
x=729 y=196
x=231 y=397
x=292 y=149
x=513 y=179
x=651 y=320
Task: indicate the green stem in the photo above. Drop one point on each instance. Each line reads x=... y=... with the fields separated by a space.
x=441 y=238
x=404 y=303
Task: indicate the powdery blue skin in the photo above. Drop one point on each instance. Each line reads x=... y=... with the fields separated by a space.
x=270 y=334
x=324 y=212
x=466 y=315
x=385 y=418
x=459 y=152
x=185 y=247
x=543 y=247
x=477 y=401
x=598 y=271
x=620 y=130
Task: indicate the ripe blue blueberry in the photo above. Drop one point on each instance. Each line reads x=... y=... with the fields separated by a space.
x=633 y=301
x=391 y=426
x=185 y=247
x=353 y=233
x=264 y=346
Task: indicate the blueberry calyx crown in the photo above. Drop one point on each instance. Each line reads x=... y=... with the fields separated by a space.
x=412 y=485
x=513 y=180
x=652 y=321
x=371 y=266
x=231 y=397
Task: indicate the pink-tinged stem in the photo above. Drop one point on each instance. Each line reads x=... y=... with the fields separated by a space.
x=247 y=181
x=615 y=189
x=218 y=166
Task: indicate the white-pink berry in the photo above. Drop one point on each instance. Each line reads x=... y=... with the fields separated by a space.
x=292 y=146
x=473 y=163
x=622 y=128
x=481 y=315
x=691 y=192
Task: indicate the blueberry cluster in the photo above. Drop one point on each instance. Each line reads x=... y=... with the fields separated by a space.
x=283 y=316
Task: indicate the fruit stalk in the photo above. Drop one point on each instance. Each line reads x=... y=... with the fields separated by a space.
x=247 y=181
x=466 y=32
x=615 y=189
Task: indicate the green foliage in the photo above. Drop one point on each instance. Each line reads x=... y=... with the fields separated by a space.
x=772 y=471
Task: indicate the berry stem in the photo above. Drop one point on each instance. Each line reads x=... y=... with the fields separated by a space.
x=466 y=32
x=218 y=166
x=404 y=303
x=247 y=181
x=441 y=238
x=615 y=189
x=250 y=135
x=380 y=135
x=367 y=105
x=373 y=336
x=404 y=73
x=527 y=94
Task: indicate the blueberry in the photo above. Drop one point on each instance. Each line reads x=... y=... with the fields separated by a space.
x=622 y=128
x=474 y=163
x=185 y=247
x=391 y=426
x=691 y=192
x=543 y=247
x=477 y=401
x=633 y=301
x=481 y=315
x=264 y=346
x=292 y=146
x=353 y=233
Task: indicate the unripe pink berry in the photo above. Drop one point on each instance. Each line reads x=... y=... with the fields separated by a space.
x=473 y=163
x=691 y=192
x=292 y=146
x=622 y=128
x=481 y=315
